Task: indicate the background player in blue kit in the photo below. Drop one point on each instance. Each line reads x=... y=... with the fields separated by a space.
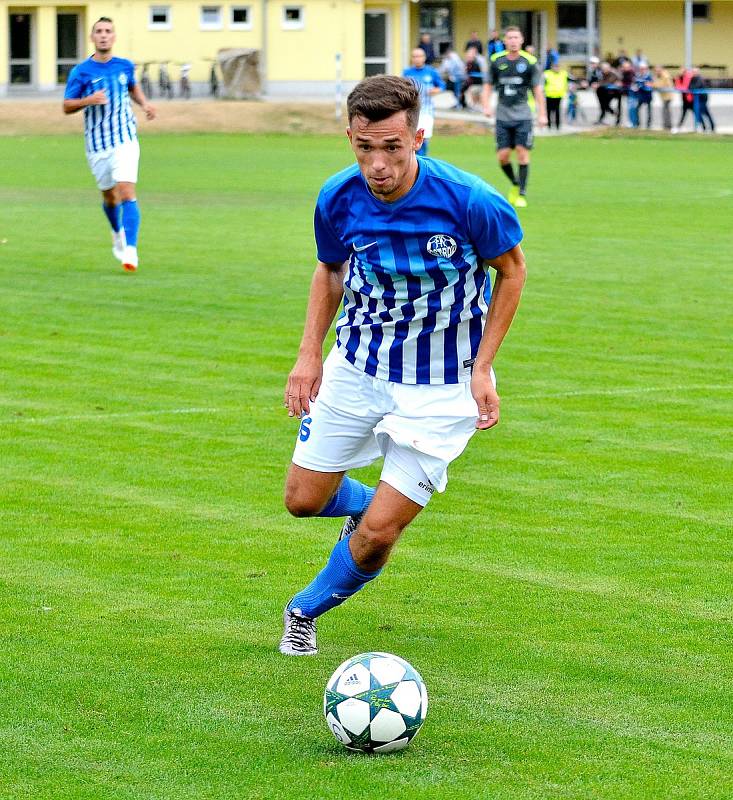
x=429 y=83
x=102 y=86
x=404 y=242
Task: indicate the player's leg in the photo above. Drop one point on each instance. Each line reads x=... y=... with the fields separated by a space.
x=310 y=493
x=504 y=144
x=356 y=559
x=524 y=145
x=102 y=168
x=127 y=157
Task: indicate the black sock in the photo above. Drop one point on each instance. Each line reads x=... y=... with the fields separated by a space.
x=508 y=170
x=523 y=173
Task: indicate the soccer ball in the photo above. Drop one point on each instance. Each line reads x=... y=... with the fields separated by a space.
x=375 y=703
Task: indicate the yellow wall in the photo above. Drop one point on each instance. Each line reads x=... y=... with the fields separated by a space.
x=658 y=28
x=331 y=26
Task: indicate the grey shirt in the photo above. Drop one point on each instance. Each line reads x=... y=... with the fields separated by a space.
x=513 y=79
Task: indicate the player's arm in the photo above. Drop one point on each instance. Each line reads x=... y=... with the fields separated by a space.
x=510 y=276
x=304 y=381
x=539 y=96
x=138 y=96
x=74 y=104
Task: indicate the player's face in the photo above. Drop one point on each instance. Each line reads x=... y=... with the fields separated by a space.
x=418 y=57
x=103 y=37
x=385 y=152
x=513 y=41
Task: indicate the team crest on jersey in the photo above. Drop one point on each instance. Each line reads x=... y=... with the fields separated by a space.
x=441 y=245
x=123 y=78
x=521 y=67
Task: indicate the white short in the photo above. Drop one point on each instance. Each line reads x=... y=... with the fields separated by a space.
x=426 y=122
x=109 y=167
x=419 y=429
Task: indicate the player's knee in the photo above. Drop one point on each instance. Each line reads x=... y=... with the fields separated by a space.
x=300 y=503
x=378 y=535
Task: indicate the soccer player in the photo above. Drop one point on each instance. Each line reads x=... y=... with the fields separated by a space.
x=514 y=72
x=404 y=242
x=103 y=85
x=429 y=83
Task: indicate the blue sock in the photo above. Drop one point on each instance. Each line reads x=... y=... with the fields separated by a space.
x=336 y=582
x=131 y=221
x=113 y=215
x=352 y=497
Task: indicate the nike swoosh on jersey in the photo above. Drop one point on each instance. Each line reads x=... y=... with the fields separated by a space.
x=363 y=247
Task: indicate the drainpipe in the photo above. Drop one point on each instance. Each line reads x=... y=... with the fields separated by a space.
x=688 y=34
x=263 y=48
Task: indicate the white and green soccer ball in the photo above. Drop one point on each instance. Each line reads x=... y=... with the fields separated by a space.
x=375 y=703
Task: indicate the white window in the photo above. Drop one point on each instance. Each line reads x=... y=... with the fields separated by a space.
x=211 y=18
x=293 y=18
x=241 y=18
x=160 y=18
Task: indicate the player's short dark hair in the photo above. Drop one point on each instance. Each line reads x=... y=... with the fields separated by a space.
x=380 y=96
x=513 y=28
x=102 y=19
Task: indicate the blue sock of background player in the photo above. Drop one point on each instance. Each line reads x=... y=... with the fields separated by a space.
x=130 y=221
x=114 y=215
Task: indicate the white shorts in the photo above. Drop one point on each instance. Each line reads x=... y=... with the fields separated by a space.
x=419 y=429
x=109 y=167
x=426 y=122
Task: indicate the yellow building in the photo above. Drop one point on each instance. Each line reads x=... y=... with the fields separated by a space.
x=307 y=46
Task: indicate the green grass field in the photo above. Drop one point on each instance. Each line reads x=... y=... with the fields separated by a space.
x=569 y=600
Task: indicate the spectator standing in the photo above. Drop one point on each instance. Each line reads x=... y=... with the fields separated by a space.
x=607 y=90
x=628 y=76
x=663 y=81
x=700 y=101
x=682 y=82
x=429 y=83
x=426 y=44
x=494 y=45
x=642 y=90
x=551 y=56
x=556 y=88
x=474 y=41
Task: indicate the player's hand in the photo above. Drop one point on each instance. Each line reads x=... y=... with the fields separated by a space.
x=304 y=383
x=542 y=121
x=150 y=110
x=488 y=113
x=487 y=400
x=98 y=98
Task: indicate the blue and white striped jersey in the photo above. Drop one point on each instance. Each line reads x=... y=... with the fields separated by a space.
x=414 y=304
x=426 y=79
x=112 y=124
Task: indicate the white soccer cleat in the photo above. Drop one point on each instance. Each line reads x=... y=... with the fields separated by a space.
x=299 y=637
x=119 y=243
x=129 y=258
x=351 y=524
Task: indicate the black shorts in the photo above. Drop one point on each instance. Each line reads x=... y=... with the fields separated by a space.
x=511 y=134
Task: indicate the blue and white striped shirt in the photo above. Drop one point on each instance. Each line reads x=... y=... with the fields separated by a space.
x=107 y=126
x=426 y=79
x=414 y=304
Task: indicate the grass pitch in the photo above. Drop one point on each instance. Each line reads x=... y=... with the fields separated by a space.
x=568 y=600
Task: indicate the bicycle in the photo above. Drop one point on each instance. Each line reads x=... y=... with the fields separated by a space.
x=213 y=79
x=185 y=84
x=145 y=83
x=164 y=80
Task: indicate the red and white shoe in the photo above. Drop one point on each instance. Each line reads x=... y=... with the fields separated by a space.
x=129 y=258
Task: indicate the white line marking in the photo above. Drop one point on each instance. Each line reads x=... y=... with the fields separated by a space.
x=623 y=390
x=112 y=415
